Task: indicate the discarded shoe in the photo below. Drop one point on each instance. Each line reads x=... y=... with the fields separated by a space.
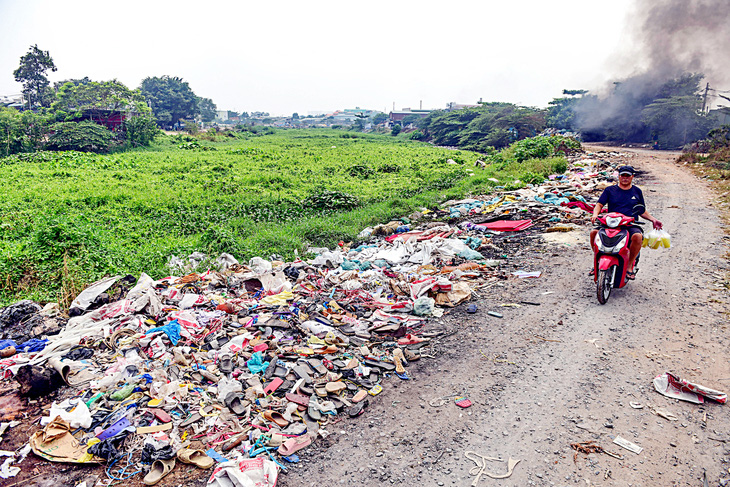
x=233 y=401
x=411 y=340
x=225 y=363
x=160 y=468
x=293 y=445
x=358 y=409
x=276 y=418
x=195 y=457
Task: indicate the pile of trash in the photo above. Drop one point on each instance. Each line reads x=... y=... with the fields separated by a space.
x=255 y=360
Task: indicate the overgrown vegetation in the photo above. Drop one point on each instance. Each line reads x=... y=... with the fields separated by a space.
x=666 y=112
x=489 y=126
x=72 y=217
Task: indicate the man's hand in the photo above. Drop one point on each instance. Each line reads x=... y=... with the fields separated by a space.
x=657 y=224
x=593 y=219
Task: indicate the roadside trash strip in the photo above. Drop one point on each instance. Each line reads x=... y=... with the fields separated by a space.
x=167 y=339
x=481 y=466
x=672 y=386
x=160 y=319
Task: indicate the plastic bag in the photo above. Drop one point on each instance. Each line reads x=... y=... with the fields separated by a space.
x=652 y=239
x=424 y=306
x=656 y=239
x=248 y=472
x=665 y=239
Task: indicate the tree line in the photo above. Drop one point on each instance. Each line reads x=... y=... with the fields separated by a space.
x=79 y=113
x=666 y=113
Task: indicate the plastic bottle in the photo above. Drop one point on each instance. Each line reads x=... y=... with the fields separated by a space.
x=122 y=393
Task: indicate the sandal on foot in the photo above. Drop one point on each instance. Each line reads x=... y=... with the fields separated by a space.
x=630 y=275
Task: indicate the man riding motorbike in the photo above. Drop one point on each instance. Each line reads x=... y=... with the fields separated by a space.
x=627 y=199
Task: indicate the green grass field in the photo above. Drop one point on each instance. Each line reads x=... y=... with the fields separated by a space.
x=70 y=218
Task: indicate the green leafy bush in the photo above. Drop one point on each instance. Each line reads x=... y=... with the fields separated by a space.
x=330 y=200
x=140 y=131
x=79 y=136
x=534 y=148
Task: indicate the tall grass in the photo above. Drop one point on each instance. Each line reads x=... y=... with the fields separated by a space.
x=69 y=218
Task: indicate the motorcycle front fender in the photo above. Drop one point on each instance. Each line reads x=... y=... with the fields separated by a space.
x=606 y=261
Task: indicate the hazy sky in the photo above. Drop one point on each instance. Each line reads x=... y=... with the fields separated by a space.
x=285 y=56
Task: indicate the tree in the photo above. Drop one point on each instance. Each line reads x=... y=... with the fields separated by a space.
x=295 y=116
x=395 y=130
x=74 y=99
x=676 y=121
x=32 y=74
x=379 y=118
x=171 y=98
x=207 y=109
x=74 y=81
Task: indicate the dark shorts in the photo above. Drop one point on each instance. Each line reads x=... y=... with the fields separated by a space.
x=633 y=229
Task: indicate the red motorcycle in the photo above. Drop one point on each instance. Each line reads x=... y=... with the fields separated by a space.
x=611 y=254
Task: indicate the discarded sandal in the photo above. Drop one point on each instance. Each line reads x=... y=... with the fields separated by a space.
x=361 y=394
x=225 y=363
x=196 y=416
x=160 y=468
x=233 y=401
x=411 y=340
x=275 y=417
x=293 y=445
x=357 y=409
x=195 y=457
x=335 y=387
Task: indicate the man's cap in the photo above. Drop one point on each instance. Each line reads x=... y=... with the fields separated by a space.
x=626 y=170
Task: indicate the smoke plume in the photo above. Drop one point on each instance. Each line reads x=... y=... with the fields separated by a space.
x=667 y=39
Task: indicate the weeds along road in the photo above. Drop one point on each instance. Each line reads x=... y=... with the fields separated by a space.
x=564 y=372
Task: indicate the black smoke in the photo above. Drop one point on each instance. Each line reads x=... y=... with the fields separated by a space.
x=673 y=50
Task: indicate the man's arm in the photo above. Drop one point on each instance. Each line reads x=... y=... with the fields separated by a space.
x=646 y=216
x=596 y=211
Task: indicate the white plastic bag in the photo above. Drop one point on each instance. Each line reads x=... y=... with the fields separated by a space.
x=665 y=239
x=80 y=416
x=651 y=239
x=247 y=472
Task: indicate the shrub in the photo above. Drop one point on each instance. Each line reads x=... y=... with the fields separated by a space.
x=80 y=136
x=396 y=130
x=535 y=148
x=140 y=131
x=330 y=200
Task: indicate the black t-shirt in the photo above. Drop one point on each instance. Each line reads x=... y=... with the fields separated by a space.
x=630 y=201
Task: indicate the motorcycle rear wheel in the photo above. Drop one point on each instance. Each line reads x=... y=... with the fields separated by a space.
x=604 y=285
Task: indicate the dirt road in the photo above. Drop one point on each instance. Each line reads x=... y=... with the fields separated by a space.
x=563 y=372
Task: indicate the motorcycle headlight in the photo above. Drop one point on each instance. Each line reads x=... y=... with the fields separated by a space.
x=612 y=221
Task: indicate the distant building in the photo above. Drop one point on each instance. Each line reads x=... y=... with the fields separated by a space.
x=406 y=112
x=221 y=115
x=458 y=106
x=12 y=101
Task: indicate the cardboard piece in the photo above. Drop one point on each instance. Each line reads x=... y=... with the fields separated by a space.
x=55 y=443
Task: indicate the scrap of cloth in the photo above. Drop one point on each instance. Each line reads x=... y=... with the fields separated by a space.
x=507 y=225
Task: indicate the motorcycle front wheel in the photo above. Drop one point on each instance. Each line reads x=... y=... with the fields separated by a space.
x=604 y=285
